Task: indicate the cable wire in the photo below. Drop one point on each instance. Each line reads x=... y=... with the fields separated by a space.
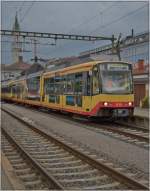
x=27 y=11
x=119 y=19
x=86 y=22
x=21 y=6
x=93 y=17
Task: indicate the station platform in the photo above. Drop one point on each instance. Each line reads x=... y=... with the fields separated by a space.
x=141 y=112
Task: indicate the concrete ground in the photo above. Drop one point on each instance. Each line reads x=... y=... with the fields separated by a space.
x=119 y=150
x=9 y=180
x=142 y=112
x=5 y=182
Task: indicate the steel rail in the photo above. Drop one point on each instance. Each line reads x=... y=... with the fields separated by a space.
x=132 y=126
x=119 y=131
x=146 y=130
x=127 y=134
x=126 y=180
x=111 y=129
x=50 y=180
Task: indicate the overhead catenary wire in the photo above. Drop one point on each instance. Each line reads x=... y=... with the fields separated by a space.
x=108 y=24
x=119 y=19
x=27 y=42
x=114 y=21
x=27 y=11
x=93 y=17
x=104 y=26
x=21 y=6
x=86 y=22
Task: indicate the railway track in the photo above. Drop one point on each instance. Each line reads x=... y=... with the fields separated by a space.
x=138 y=136
x=31 y=175
x=67 y=166
x=131 y=134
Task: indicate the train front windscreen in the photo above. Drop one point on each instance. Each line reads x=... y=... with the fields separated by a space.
x=116 y=78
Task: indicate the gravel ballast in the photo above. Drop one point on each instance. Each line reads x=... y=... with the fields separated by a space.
x=121 y=151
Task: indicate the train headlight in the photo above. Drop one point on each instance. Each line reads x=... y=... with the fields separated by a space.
x=105 y=104
x=130 y=103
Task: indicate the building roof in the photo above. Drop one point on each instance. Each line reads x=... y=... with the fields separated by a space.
x=20 y=65
x=65 y=62
x=16 y=66
x=3 y=66
x=36 y=67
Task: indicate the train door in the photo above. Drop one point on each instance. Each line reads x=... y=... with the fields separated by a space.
x=77 y=92
x=139 y=93
x=51 y=91
x=79 y=89
x=83 y=91
x=95 y=81
x=95 y=86
x=73 y=91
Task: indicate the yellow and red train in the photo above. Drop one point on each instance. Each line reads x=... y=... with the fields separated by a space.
x=94 y=88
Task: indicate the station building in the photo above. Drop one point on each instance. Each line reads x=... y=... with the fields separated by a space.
x=134 y=49
x=12 y=71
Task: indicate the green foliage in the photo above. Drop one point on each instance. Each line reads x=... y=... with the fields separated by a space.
x=145 y=102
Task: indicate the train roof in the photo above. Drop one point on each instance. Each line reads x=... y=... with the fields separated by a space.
x=76 y=64
x=89 y=64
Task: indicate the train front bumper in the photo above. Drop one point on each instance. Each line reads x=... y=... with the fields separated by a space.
x=115 y=112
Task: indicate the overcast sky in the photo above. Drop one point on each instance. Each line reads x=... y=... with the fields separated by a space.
x=86 y=18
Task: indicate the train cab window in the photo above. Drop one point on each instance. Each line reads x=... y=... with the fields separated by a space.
x=95 y=81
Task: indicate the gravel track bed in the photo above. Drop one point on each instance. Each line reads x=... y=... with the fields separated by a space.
x=128 y=168
x=96 y=179
x=97 y=127
x=24 y=171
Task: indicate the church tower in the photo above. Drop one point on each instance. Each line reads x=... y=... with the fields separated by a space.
x=16 y=45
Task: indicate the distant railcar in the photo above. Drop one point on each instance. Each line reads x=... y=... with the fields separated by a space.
x=92 y=89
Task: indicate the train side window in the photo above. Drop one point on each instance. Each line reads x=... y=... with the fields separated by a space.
x=49 y=86
x=58 y=84
x=46 y=86
x=64 y=84
x=84 y=84
x=78 y=83
x=33 y=84
x=95 y=81
x=5 y=89
x=70 y=84
x=88 y=84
